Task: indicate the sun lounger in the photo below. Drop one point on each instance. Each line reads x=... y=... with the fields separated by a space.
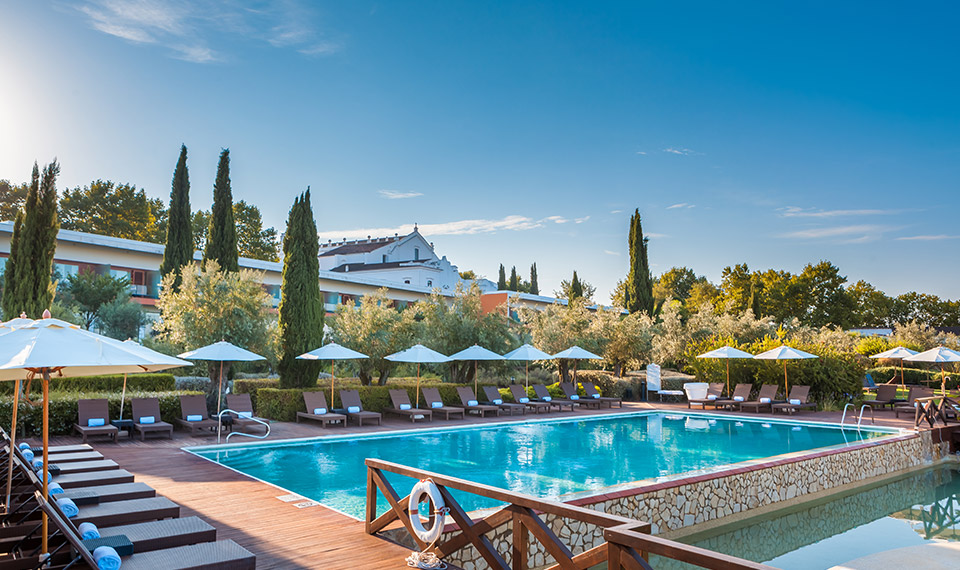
x=61 y=458
x=470 y=403
x=494 y=398
x=166 y=533
x=520 y=395
x=203 y=556
x=194 y=415
x=594 y=393
x=570 y=390
x=764 y=399
x=144 y=410
x=243 y=419
x=886 y=396
x=432 y=397
x=741 y=393
x=110 y=493
x=127 y=512
x=714 y=392
x=543 y=395
x=402 y=407
x=318 y=410
x=796 y=401
x=910 y=406
x=351 y=401
x=96 y=412
x=96 y=478
x=86 y=466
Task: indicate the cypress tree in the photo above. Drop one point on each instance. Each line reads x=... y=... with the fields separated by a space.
x=514 y=279
x=576 y=289
x=301 y=304
x=534 y=287
x=638 y=293
x=502 y=280
x=222 y=233
x=178 y=250
x=10 y=277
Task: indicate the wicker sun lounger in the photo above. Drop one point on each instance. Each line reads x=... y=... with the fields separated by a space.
x=243 y=405
x=317 y=402
x=96 y=411
x=149 y=408
x=61 y=458
x=351 y=401
x=520 y=395
x=217 y=555
x=714 y=392
x=195 y=407
x=494 y=398
x=592 y=392
x=764 y=399
x=110 y=493
x=127 y=512
x=886 y=396
x=86 y=466
x=797 y=400
x=403 y=408
x=93 y=479
x=741 y=393
x=432 y=397
x=570 y=390
x=470 y=403
x=543 y=395
x=166 y=533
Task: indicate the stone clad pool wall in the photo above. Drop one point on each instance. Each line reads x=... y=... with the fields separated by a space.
x=683 y=502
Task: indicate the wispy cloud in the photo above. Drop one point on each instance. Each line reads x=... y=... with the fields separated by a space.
x=795 y=212
x=851 y=234
x=681 y=205
x=615 y=211
x=681 y=151
x=655 y=235
x=460 y=227
x=608 y=252
x=188 y=28
x=937 y=237
x=642 y=152
x=556 y=219
x=394 y=195
x=581 y=220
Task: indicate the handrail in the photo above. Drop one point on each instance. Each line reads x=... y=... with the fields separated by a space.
x=254 y=436
x=873 y=419
x=845 y=406
x=523 y=513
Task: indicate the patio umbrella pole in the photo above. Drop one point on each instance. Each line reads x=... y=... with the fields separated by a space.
x=13 y=444
x=786 y=383
x=123 y=394
x=219 y=390
x=728 y=376
x=332 y=376
x=901 y=373
x=418 y=384
x=526 y=369
x=476 y=379
x=46 y=444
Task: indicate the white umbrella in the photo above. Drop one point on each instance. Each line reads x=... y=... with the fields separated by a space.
x=51 y=346
x=898 y=353
x=726 y=352
x=527 y=353
x=941 y=355
x=785 y=353
x=576 y=353
x=159 y=361
x=221 y=351
x=419 y=354
x=331 y=352
x=476 y=353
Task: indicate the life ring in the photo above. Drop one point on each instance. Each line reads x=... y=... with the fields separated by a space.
x=428 y=488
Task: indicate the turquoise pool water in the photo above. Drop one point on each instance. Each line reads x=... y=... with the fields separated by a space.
x=547 y=459
x=907 y=511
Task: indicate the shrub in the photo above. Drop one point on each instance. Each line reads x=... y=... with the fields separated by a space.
x=63 y=409
x=882 y=374
x=147 y=382
x=626 y=387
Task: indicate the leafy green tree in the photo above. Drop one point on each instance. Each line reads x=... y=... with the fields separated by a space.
x=674 y=283
x=253 y=241
x=534 y=285
x=873 y=307
x=178 y=250
x=301 y=304
x=638 y=292
x=221 y=243
x=469 y=274
x=122 y=317
x=199 y=226
x=514 y=284
x=825 y=298
x=566 y=291
x=89 y=291
x=109 y=209
x=12 y=198
x=376 y=328
x=558 y=327
x=502 y=280
x=27 y=281
x=576 y=289
x=735 y=285
x=624 y=340
x=702 y=294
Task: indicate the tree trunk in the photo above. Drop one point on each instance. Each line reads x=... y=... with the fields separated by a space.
x=364 y=377
x=564 y=371
x=384 y=374
x=617 y=369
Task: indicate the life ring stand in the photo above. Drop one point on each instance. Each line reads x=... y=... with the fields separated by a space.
x=426 y=487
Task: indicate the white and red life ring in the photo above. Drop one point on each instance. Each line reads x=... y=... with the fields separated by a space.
x=426 y=487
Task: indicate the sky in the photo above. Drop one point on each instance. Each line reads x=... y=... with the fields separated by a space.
x=769 y=133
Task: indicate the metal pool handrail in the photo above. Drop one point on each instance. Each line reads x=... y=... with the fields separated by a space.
x=254 y=436
x=628 y=541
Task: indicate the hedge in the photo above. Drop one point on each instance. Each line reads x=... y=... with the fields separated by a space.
x=146 y=382
x=882 y=374
x=625 y=387
x=63 y=409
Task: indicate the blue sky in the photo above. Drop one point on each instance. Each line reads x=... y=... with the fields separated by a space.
x=774 y=134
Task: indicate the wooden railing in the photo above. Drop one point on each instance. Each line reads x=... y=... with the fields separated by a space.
x=933 y=408
x=628 y=541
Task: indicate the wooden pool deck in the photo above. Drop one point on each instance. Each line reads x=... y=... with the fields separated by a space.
x=279 y=533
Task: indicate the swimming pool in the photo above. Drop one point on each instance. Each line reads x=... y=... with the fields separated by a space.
x=546 y=458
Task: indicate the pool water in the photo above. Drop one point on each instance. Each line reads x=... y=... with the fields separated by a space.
x=544 y=458
x=907 y=511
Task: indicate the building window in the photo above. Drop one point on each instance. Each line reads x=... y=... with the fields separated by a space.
x=416 y=254
x=406 y=281
x=384 y=259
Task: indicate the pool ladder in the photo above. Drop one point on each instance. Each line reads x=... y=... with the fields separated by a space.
x=860 y=416
x=232 y=433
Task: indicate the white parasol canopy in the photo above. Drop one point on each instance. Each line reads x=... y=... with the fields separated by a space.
x=726 y=352
x=941 y=355
x=897 y=353
x=476 y=353
x=221 y=352
x=527 y=353
x=332 y=352
x=785 y=353
x=576 y=353
x=419 y=354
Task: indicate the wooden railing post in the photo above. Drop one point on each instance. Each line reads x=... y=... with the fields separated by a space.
x=371 y=502
x=519 y=543
x=613 y=556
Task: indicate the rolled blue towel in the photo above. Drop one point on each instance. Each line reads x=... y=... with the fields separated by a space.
x=54 y=489
x=24 y=445
x=106 y=558
x=37 y=464
x=28 y=455
x=88 y=531
x=69 y=508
